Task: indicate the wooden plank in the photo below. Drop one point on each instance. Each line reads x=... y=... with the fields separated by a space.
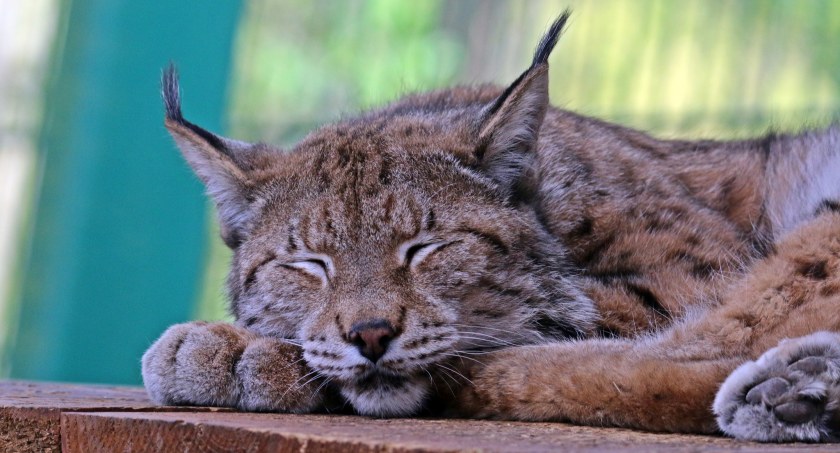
x=45 y=417
x=248 y=432
x=30 y=413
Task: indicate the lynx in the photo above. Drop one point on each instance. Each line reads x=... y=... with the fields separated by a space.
x=475 y=252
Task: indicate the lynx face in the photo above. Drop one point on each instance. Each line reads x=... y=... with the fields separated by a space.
x=393 y=243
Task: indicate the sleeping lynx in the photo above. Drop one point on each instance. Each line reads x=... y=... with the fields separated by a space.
x=477 y=252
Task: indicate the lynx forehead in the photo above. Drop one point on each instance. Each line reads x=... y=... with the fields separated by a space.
x=476 y=251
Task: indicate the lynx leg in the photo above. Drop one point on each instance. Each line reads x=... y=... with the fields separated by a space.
x=601 y=383
x=791 y=393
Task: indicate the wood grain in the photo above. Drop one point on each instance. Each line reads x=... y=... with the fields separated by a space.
x=248 y=432
x=41 y=417
x=30 y=412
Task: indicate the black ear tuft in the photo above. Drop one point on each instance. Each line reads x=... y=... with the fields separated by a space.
x=217 y=161
x=509 y=126
x=171 y=93
x=548 y=41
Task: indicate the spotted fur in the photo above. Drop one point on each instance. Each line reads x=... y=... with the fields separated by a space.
x=529 y=262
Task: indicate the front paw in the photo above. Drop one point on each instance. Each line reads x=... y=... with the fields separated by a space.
x=194 y=364
x=274 y=377
x=791 y=393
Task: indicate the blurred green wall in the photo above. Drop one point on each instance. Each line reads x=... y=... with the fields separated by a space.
x=120 y=239
x=118 y=236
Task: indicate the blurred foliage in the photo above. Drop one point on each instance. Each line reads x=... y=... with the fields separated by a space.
x=713 y=68
x=719 y=67
x=300 y=62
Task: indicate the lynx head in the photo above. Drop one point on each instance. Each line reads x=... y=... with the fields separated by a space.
x=390 y=244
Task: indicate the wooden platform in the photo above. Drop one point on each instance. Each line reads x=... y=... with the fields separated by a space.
x=43 y=417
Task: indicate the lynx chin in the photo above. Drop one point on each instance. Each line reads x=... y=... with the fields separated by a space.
x=477 y=252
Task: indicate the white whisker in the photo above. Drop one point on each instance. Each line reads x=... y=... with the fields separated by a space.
x=318 y=390
x=468 y=326
x=446 y=373
x=456 y=372
x=295 y=387
x=461 y=357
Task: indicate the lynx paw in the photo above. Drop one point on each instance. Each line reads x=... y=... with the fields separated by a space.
x=791 y=393
x=275 y=378
x=194 y=364
x=222 y=365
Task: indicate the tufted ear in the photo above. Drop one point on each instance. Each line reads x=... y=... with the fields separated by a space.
x=510 y=125
x=218 y=162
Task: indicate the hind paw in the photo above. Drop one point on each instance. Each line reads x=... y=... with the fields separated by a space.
x=791 y=393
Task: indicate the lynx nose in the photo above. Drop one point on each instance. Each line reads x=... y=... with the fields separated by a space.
x=372 y=338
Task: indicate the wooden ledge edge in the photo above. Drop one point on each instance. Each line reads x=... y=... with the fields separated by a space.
x=253 y=432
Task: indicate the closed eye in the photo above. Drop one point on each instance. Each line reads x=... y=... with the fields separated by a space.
x=413 y=253
x=319 y=266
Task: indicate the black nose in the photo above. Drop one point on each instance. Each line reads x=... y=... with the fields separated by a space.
x=372 y=338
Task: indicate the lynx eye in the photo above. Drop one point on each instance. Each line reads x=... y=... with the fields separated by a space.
x=413 y=253
x=319 y=266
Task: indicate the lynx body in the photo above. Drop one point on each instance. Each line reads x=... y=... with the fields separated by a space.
x=477 y=252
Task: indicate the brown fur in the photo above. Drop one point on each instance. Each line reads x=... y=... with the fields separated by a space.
x=530 y=262
x=667 y=382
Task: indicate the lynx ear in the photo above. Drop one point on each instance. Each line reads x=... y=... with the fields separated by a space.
x=510 y=126
x=214 y=161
